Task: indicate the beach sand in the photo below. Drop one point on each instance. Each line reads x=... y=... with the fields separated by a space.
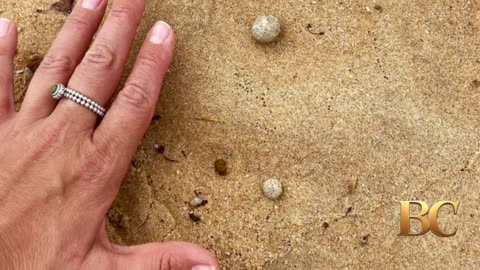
x=359 y=105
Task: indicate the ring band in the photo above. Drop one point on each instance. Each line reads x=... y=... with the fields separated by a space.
x=59 y=91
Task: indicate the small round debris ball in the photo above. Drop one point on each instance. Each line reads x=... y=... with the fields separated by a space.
x=272 y=188
x=221 y=166
x=266 y=29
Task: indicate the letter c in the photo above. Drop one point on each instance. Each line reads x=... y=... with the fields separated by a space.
x=433 y=216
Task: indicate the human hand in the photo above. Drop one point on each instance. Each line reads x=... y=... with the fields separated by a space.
x=60 y=169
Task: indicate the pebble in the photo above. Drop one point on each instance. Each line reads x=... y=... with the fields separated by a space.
x=272 y=188
x=266 y=29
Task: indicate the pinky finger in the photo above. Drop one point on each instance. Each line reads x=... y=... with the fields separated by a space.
x=8 y=45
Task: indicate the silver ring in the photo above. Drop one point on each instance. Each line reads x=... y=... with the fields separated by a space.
x=59 y=91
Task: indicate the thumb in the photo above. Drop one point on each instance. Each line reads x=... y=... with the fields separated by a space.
x=165 y=256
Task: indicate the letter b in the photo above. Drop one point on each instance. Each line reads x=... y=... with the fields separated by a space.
x=405 y=218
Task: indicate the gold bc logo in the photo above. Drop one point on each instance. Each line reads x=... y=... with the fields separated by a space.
x=428 y=218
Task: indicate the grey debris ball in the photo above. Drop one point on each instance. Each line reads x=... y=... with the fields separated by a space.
x=272 y=188
x=195 y=202
x=266 y=29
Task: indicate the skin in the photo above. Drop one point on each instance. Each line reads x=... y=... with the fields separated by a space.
x=60 y=168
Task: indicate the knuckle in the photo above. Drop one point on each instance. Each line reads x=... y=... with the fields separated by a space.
x=77 y=22
x=148 y=62
x=54 y=63
x=4 y=51
x=53 y=133
x=167 y=262
x=124 y=13
x=136 y=94
x=98 y=164
x=6 y=81
x=101 y=56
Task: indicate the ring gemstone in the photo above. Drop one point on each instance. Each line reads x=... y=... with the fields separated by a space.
x=59 y=91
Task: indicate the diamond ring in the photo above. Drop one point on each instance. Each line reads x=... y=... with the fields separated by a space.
x=59 y=91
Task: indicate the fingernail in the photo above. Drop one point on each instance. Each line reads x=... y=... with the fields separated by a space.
x=203 y=267
x=4 y=27
x=91 y=4
x=160 y=33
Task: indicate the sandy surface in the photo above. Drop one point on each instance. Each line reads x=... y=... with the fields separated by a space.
x=383 y=107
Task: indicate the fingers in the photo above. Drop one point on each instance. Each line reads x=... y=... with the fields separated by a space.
x=131 y=112
x=169 y=255
x=64 y=56
x=8 y=44
x=99 y=73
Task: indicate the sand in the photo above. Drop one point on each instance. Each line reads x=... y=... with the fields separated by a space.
x=359 y=105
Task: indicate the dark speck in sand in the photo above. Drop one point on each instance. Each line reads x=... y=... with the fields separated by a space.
x=194 y=217
x=364 y=240
x=156 y=118
x=476 y=83
x=378 y=8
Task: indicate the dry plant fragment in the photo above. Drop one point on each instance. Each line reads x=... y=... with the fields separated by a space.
x=64 y=6
x=474 y=160
x=194 y=217
x=161 y=150
x=309 y=29
x=378 y=8
x=34 y=62
x=197 y=201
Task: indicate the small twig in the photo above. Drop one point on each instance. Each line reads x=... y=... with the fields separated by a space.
x=207 y=120
x=309 y=29
x=325 y=227
x=194 y=218
x=347 y=213
x=149 y=212
x=161 y=149
x=474 y=160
